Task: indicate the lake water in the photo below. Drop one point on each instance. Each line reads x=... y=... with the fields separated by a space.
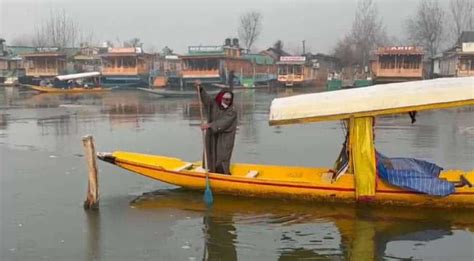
x=44 y=180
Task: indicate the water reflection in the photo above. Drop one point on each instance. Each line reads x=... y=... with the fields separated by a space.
x=3 y=121
x=129 y=108
x=219 y=237
x=239 y=228
x=59 y=125
x=54 y=100
x=93 y=250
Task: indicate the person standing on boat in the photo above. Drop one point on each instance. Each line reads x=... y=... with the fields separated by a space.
x=220 y=128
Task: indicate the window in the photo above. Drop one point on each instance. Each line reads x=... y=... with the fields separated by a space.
x=291 y=69
x=298 y=69
x=282 y=70
x=50 y=63
x=107 y=63
x=126 y=63
x=467 y=64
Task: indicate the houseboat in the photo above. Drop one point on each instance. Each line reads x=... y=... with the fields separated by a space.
x=327 y=66
x=397 y=64
x=88 y=59
x=45 y=63
x=458 y=61
x=88 y=82
x=214 y=65
x=11 y=66
x=126 y=67
x=10 y=70
x=296 y=71
x=166 y=71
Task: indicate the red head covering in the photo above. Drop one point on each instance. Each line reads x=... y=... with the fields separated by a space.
x=221 y=93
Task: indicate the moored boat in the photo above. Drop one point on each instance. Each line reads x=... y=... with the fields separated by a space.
x=296 y=71
x=69 y=84
x=398 y=64
x=67 y=90
x=224 y=63
x=125 y=67
x=360 y=181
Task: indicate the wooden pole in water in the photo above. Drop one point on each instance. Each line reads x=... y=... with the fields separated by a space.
x=92 y=199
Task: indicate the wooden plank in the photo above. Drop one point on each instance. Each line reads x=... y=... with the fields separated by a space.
x=92 y=198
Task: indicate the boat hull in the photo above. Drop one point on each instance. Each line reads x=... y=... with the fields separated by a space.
x=70 y=90
x=299 y=183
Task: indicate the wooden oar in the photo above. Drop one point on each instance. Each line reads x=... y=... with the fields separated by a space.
x=208 y=192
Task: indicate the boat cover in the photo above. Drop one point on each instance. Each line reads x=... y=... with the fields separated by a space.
x=413 y=174
x=77 y=76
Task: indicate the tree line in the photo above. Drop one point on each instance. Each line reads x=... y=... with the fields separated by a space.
x=430 y=27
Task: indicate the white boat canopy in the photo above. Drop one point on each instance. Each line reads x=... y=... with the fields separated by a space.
x=77 y=76
x=373 y=100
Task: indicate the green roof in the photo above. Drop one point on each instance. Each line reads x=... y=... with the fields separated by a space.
x=10 y=57
x=206 y=50
x=19 y=50
x=205 y=54
x=259 y=59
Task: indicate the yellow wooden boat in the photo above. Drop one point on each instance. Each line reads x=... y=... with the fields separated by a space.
x=46 y=89
x=76 y=89
x=358 y=108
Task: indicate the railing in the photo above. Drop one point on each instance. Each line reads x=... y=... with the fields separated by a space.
x=41 y=72
x=290 y=78
x=199 y=73
x=463 y=73
x=88 y=68
x=119 y=71
x=399 y=72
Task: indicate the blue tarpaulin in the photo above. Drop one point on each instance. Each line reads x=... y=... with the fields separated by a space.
x=413 y=174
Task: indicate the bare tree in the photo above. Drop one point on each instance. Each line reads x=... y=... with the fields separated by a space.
x=398 y=41
x=167 y=51
x=345 y=51
x=366 y=35
x=109 y=44
x=22 y=40
x=40 y=37
x=278 y=46
x=367 y=31
x=118 y=42
x=88 y=38
x=59 y=30
x=151 y=49
x=426 y=28
x=250 y=28
x=134 y=42
x=462 y=17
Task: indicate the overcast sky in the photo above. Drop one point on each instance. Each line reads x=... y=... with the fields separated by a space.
x=180 y=23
